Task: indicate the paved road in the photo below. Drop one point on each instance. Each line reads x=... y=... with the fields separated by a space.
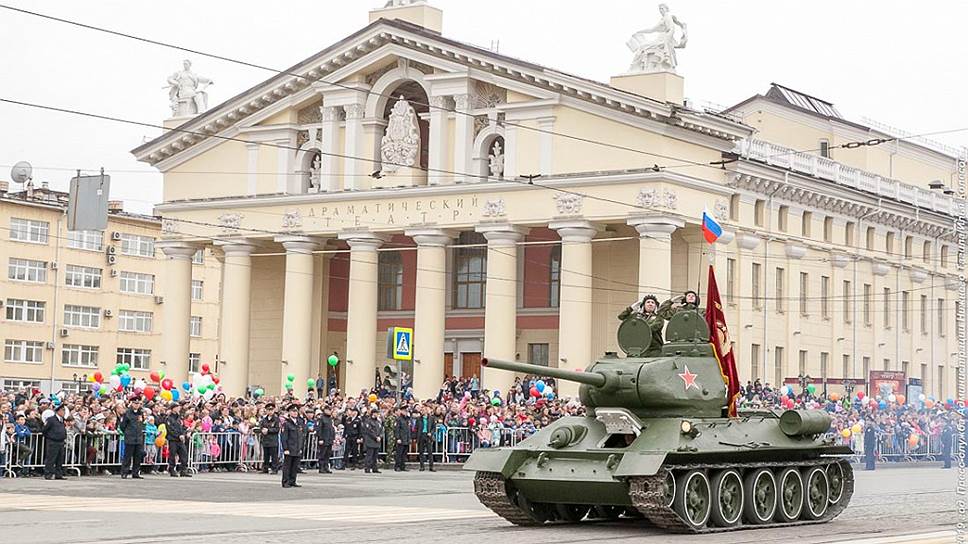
x=353 y=507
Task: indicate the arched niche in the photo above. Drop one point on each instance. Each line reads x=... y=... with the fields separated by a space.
x=483 y=149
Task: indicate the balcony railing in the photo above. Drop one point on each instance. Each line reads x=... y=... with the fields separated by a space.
x=785 y=157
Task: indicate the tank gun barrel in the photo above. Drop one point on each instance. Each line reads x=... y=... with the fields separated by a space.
x=594 y=379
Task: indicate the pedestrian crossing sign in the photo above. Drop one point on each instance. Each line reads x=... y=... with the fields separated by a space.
x=402 y=344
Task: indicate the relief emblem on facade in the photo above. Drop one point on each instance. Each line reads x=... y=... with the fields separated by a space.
x=494 y=208
x=230 y=222
x=721 y=211
x=401 y=143
x=568 y=204
x=291 y=220
x=653 y=198
x=168 y=226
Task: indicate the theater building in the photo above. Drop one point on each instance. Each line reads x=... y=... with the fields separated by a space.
x=388 y=180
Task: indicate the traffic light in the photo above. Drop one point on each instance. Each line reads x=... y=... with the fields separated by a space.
x=391 y=378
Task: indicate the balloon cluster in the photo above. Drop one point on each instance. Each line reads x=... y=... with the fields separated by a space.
x=542 y=390
x=119 y=380
x=203 y=384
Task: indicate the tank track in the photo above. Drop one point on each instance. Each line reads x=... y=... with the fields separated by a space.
x=646 y=495
x=492 y=490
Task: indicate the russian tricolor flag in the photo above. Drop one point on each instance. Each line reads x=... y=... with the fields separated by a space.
x=711 y=230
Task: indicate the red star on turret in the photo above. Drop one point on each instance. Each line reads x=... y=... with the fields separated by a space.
x=689 y=379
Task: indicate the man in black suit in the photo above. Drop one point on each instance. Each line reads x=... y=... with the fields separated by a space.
x=401 y=433
x=55 y=433
x=133 y=427
x=372 y=437
x=353 y=433
x=325 y=435
x=270 y=439
x=425 y=427
x=177 y=439
x=291 y=441
x=870 y=444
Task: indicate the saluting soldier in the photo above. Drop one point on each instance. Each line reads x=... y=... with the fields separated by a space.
x=648 y=309
x=291 y=441
x=270 y=439
x=688 y=301
x=372 y=437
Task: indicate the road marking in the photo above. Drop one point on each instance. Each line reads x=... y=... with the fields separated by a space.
x=280 y=509
x=938 y=537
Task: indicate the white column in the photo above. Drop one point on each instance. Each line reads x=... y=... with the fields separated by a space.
x=297 y=312
x=355 y=169
x=437 y=150
x=177 y=307
x=655 y=254
x=429 y=311
x=463 y=136
x=236 y=296
x=500 y=301
x=329 y=177
x=361 y=356
x=575 y=306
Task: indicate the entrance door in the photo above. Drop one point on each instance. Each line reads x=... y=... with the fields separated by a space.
x=470 y=365
x=448 y=366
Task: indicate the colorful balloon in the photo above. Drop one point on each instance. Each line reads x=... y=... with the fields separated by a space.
x=372 y=397
x=155 y=378
x=125 y=380
x=186 y=386
x=310 y=383
x=901 y=399
x=259 y=392
x=856 y=428
x=534 y=392
x=913 y=441
x=860 y=395
x=175 y=395
x=845 y=433
x=540 y=386
x=811 y=388
x=160 y=442
x=149 y=393
x=166 y=394
x=291 y=378
x=496 y=401
x=333 y=360
x=834 y=397
x=205 y=368
x=166 y=384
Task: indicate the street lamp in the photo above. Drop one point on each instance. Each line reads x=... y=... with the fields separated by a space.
x=849 y=388
x=804 y=381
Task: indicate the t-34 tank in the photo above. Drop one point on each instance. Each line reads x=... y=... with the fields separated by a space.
x=656 y=442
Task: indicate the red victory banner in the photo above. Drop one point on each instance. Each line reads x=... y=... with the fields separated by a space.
x=719 y=338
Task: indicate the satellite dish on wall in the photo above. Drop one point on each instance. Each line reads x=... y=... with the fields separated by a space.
x=21 y=172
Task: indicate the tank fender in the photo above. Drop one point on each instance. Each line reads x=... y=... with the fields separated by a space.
x=642 y=463
x=503 y=460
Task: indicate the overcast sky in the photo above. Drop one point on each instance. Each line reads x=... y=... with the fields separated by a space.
x=901 y=63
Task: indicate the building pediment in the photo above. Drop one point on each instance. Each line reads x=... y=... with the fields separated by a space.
x=363 y=57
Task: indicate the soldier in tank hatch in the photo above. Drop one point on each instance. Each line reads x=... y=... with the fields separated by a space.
x=688 y=301
x=647 y=309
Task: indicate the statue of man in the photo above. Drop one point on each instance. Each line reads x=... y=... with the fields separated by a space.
x=186 y=91
x=655 y=48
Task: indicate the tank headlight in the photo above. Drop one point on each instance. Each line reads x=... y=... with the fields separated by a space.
x=686 y=427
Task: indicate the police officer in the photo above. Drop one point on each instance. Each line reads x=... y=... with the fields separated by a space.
x=648 y=309
x=372 y=437
x=401 y=433
x=353 y=433
x=325 y=435
x=947 y=436
x=55 y=433
x=133 y=427
x=270 y=439
x=870 y=445
x=290 y=437
x=177 y=439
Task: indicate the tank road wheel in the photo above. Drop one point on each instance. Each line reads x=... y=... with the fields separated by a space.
x=816 y=492
x=607 y=511
x=835 y=477
x=791 y=494
x=668 y=489
x=759 y=500
x=572 y=513
x=693 y=500
x=537 y=511
x=727 y=498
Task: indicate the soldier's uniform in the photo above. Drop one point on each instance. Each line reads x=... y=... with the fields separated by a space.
x=291 y=440
x=270 y=442
x=654 y=320
x=353 y=435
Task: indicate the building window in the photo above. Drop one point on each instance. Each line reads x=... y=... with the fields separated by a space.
x=23 y=351
x=132 y=321
x=870 y=238
x=26 y=230
x=778 y=364
x=905 y=367
x=944 y=256
x=90 y=240
x=848 y=294
x=889 y=243
x=802 y=363
x=390 y=280
x=86 y=277
x=198 y=257
x=825 y=148
x=781 y=218
x=887 y=307
x=846 y=370
x=867 y=370
x=908 y=246
x=804 y=292
x=759 y=211
x=29 y=311
x=849 y=231
x=926 y=252
x=87 y=317
x=137 y=246
x=554 y=278
x=755 y=361
x=867 y=304
x=905 y=309
x=730 y=280
x=941 y=320
x=27 y=270
x=137 y=359
x=940 y=384
x=757 y=302
x=780 y=291
x=828 y=229
x=194 y=362
x=924 y=314
x=195 y=326
x=887 y=364
x=734 y=204
x=805 y=224
x=825 y=297
x=196 y=289
x=824 y=365
x=79 y=356
x=538 y=354
x=134 y=282
x=470 y=271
